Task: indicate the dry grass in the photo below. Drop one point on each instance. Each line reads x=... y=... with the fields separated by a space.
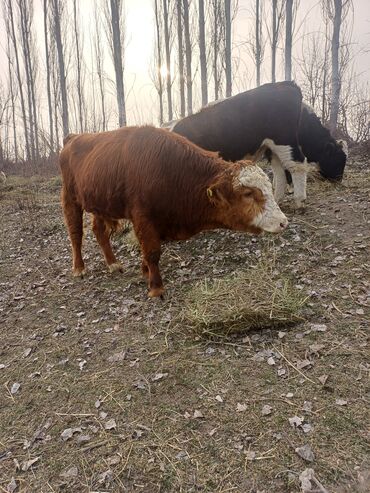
x=253 y=299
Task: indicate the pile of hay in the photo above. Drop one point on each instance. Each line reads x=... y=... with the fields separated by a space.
x=253 y=299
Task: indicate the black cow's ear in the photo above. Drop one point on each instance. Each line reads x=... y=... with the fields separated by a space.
x=330 y=148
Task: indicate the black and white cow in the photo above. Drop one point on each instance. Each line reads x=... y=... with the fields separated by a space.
x=269 y=115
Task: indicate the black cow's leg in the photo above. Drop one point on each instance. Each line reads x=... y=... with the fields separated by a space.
x=279 y=181
x=298 y=169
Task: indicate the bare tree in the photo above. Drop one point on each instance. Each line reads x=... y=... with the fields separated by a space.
x=188 y=55
x=25 y=10
x=277 y=17
x=258 y=52
x=168 y=58
x=288 y=39
x=57 y=15
x=158 y=55
x=78 y=48
x=48 y=83
x=228 y=47
x=12 y=98
x=116 y=34
x=99 y=56
x=203 y=56
x=10 y=27
x=180 y=56
x=217 y=41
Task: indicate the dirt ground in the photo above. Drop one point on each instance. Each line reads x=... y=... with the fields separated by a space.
x=104 y=390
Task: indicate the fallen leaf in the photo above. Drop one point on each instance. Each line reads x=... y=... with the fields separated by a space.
x=105 y=477
x=303 y=364
x=15 y=387
x=341 y=402
x=29 y=463
x=307 y=406
x=319 y=327
x=241 y=407
x=198 y=414
x=110 y=424
x=159 y=376
x=323 y=379
x=266 y=410
x=12 y=486
x=306 y=428
x=114 y=460
x=27 y=352
x=250 y=455
x=219 y=398
x=117 y=357
x=81 y=364
x=295 y=421
x=83 y=438
x=69 y=432
x=72 y=472
x=271 y=361
x=305 y=452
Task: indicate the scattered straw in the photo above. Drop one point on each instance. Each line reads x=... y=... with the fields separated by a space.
x=253 y=299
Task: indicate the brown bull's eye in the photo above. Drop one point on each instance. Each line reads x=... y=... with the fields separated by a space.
x=248 y=193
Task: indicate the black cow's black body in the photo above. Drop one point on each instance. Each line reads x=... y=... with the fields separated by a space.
x=238 y=125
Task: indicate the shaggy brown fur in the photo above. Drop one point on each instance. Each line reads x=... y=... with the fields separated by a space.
x=168 y=187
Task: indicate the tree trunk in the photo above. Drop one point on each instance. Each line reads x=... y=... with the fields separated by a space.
x=215 y=50
x=189 y=80
x=228 y=47
x=48 y=89
x=203 y=56
x=20 y=84
x=159 y=64
x=273 y=41
x=168 y=59
x=181 y=58
x=288 y=39
x=78 y=65
x=117 y=58
x=335 y=77
x=12 y=96
x=62 y=74
x=258 y=44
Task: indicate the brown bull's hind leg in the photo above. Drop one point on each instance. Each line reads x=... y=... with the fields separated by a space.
x=73 y=215
x=151 y=252
x=102 y=231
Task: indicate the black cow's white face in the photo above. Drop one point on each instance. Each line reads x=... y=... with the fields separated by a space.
x=333 y=161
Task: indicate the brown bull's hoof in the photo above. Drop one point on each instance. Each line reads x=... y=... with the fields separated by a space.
x=79 y=272
x=115 y=267
x=156 y=292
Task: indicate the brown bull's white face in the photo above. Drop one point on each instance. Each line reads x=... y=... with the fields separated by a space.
x=268 y=215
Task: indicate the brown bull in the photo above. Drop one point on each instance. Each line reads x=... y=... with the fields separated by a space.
x=168 y=187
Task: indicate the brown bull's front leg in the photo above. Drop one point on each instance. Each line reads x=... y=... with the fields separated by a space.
x=155 y=283
x=151 y=251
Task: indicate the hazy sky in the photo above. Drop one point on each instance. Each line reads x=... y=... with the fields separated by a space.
x=139 y=19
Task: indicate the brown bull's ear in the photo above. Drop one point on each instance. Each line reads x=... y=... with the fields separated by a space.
x=218 y=193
